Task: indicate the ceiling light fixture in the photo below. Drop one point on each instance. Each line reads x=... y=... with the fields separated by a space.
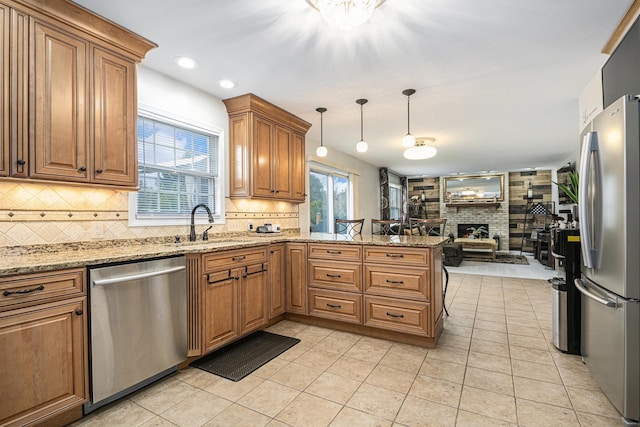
x=408 y=140
x=227 y=84
x=345 y=14
x=321 y=151
x=186 y=62
x=421 y=150
x=361 y=146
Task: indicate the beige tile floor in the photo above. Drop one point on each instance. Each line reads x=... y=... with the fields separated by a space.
x=494 y=366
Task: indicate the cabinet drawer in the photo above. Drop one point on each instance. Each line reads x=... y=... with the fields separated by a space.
x=398 y=315
x=339 y=252
x=343 y=306
x=39 y=286
x=393 y=255
x=404 y=282
x=231 y=259
x=335 y=275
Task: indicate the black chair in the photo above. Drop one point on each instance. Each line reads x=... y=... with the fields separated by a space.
x=349 y=227
x=428 y=227
x=433 y=227
x=387 y=227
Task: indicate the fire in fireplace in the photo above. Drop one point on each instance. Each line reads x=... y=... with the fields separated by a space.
x=466 y=230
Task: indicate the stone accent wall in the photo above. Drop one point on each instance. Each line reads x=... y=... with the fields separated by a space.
x=497 y=218
x=518 y=184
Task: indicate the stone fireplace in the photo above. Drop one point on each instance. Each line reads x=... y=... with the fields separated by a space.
x=495 y=218
x=466 y=230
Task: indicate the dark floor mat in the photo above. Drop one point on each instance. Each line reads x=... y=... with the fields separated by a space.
x=239 y=359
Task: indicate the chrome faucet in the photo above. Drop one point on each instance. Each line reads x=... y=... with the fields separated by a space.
x=192 y=234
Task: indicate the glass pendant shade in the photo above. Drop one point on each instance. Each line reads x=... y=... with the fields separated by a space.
x=362 y=147
x=421 y=150
x=408 y=141
x=345 y=14
x=321 y=151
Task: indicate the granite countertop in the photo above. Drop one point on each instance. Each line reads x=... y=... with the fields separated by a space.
x=32 y=259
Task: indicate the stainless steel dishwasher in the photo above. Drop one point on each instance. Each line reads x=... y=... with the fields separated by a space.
x=138 y=325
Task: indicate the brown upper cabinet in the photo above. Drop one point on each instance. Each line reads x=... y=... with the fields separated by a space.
x=69 y=95
x=266 y=150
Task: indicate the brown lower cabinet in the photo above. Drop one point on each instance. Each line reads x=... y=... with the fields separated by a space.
x=43 y=346
x=276 y=280
x=235 y=295
x=296 y=278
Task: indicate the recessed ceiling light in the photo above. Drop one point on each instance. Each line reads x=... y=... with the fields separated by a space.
x=186 y=62
x=227 y=84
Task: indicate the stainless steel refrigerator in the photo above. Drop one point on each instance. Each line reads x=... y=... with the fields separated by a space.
x=609 y=216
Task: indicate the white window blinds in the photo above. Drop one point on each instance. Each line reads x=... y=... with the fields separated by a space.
x=177 y=169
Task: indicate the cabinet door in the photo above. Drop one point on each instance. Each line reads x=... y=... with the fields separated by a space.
x=254 y=297
x=114 y=115
x=58 y=104
x=296 y=277
x=220 y=308
x=19 y=95
x=4 y=88
x=282 y=166
x=239 y=151
x=42 y=360
x=276 y=280
x=298 y=169
x=262 y=160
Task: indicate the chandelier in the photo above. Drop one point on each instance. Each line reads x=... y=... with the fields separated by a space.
x=345 y=14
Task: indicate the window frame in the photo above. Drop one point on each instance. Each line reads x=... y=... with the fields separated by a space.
x=331 y=172
x=145 y=220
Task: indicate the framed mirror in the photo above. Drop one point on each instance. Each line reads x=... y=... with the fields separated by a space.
x=484 y=188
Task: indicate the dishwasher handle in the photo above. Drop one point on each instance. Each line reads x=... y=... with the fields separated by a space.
x=131 y=278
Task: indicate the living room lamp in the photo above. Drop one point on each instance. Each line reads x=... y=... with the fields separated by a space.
x=361 y=146
x=321 y=151
x=408 y=140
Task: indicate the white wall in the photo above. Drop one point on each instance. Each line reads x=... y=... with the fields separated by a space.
x=177 y=100
x=366 y=184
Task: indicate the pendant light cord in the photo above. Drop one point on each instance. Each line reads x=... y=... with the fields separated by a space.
x=321 y=127
x=361 y=120
x=408 y=116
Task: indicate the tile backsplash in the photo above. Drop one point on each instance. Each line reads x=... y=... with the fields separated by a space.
x=38 y=213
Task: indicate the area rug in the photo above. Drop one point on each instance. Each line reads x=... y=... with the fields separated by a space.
x=239 y=359
x=502 y=259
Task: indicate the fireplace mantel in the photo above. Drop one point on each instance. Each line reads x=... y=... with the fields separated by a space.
x=496 y=205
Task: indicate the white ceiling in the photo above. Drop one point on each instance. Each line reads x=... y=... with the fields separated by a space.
x=497 y=81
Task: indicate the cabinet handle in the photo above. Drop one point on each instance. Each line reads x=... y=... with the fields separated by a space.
x=82 y=169
x=238 y=258
x=395 y=282
x=333 y=276
x=23 y=291
x=277 y=191
x=21 y=162
x=247 y=274
x=395 y=315
x=79 y=312
x=334 y=252
x=395 y=255
x=333 y=305
x=98 y=170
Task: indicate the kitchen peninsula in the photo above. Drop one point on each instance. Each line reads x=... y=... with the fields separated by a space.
x=382 y=286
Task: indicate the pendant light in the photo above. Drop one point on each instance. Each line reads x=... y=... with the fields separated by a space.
x=421 y=150
x=361 y=146
x=321 y=151
x=408 y=140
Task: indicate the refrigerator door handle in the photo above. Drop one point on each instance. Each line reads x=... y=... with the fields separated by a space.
x=584 y=291
x=591 y=256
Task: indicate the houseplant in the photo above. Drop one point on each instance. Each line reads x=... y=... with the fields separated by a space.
x=570 y=190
